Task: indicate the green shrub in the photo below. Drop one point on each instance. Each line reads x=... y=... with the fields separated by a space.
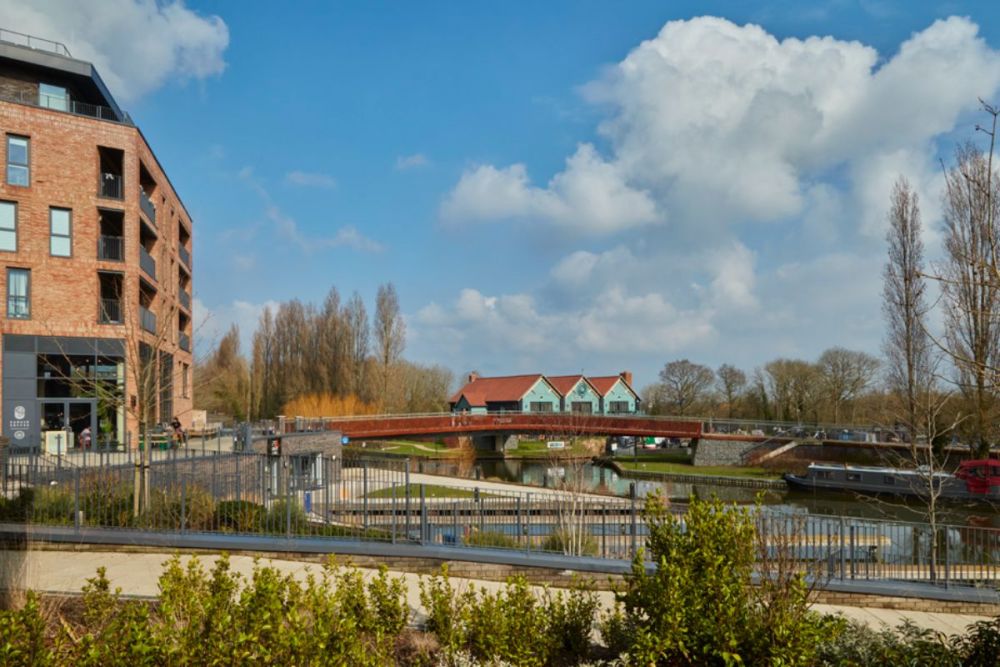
x=572 y=542
x=22 y=635
x=489 y=538
x=278 y=514
x=241 y=516
x=860 y=646
x=981 y=646
x=699 y=606
x=52 y=505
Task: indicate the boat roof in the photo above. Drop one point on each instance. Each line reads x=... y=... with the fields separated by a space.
x=885 y=470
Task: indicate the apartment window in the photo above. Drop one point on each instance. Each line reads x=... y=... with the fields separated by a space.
x=618 y=406
x=582 y=407
x=53 y=97
x=17 y=160
x=8 y=226
x=185 y=369
x=60 y=228
x=541 y=406
x=18 y=294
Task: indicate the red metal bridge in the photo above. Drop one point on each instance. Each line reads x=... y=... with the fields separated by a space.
x=537 y=423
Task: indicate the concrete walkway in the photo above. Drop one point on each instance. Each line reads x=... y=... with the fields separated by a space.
x=138 y=574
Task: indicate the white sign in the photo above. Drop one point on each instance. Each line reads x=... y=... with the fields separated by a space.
x=19 y=412
x=19 y=435
x=557 y=444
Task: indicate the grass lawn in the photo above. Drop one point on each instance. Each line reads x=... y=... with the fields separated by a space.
x=684 y=469
x=540 y=448
x=430 y=491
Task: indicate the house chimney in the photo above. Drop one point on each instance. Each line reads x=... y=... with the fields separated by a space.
x=473 y=376
x=627 y=376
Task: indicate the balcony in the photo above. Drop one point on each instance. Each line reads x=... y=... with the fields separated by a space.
x=112 y=248
x=110 y=186
x=147 y=263
x=147 y=206
x=185 y=342
x=147 y=319
x=185 y=299
x=185 y=257
x=111 y=311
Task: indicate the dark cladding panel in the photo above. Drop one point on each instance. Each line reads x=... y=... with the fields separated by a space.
x=66 y=345
x=111 y=347
x=15 y=343
x=19 y=365
x=20 y=421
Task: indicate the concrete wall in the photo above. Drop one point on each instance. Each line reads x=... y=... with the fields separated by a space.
x=720 y=452
x=327 y=442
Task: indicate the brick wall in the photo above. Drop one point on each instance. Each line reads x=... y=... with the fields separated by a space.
x=65 y=165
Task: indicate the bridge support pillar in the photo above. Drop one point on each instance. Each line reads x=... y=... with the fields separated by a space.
x=495 y=443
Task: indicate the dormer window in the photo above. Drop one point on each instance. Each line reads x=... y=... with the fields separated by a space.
x=53 y=97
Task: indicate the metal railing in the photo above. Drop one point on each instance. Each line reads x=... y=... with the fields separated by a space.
x=32 y=42
x=185 y=300
x=111 y=186
x=74 y=107
x=184 y=341
x=147 y=263
x=358 y=498
x=146 y=205
x=111 y=311
x=111 y=248
x=185 y=256
x=147 y=319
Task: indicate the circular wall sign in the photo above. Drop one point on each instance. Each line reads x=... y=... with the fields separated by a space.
x=19 y=412
x=19 y=435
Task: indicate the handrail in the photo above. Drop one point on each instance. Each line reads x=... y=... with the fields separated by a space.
x=32 y=42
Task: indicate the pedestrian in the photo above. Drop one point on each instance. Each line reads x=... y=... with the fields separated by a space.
x=179 y=436
x=85 y=438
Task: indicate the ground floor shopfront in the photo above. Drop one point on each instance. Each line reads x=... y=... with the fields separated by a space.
x=61 y=393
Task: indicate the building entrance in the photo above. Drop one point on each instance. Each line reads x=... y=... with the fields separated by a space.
x=68 y=424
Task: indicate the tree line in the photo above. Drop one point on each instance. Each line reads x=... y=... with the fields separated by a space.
x=329 y=359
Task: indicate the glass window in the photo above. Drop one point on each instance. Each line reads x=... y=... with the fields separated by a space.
x=19 y=293
x=17 y=160
x=8 y=226
x=60 y=240
x=53 y=97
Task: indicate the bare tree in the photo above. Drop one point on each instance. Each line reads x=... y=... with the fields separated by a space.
x=731 y=382
x=356 y=339
x=793 y=389
x=845 y=374
x=390 y=334
x=907 y=346
x=970 y=286
x=685 y=385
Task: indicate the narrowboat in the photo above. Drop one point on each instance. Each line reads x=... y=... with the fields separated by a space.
x=974 y=480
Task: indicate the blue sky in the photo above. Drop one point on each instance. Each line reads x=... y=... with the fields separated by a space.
x=546 y=193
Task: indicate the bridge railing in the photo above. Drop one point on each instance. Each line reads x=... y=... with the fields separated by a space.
x=373 y=499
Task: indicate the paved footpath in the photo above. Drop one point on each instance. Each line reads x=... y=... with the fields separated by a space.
x=138 y=573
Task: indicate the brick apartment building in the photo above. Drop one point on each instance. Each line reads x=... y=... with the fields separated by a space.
x=96 y=253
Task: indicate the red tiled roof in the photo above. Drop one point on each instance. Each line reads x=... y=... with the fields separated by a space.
x=496 y=389
x=563 y=383
x=604 y=383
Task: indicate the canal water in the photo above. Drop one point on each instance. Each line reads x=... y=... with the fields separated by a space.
x=592 y=478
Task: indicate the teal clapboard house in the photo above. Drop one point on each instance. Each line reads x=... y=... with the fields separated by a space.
x=539 y=393
x=578 y=395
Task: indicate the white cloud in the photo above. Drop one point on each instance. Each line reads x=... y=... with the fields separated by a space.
x=712 y=124
x=137 y=45
x=311 y=179
x=415 y=161
x=590 y=196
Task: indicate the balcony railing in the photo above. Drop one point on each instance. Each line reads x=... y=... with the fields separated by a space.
x=74 y=107
x=111 y=248
x=32 y=42
x=111 y=311
x=147 y=206
x=185 y=342
x=185 y=300
x=147 y=263
x=110 y=185
x=185 y=256
x=147 y=319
